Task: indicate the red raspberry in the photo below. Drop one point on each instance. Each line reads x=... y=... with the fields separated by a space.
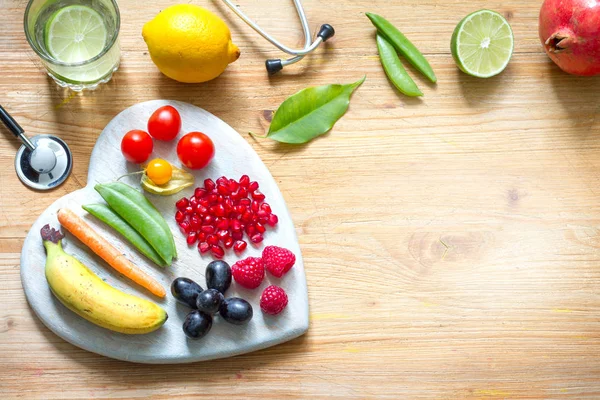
x=278 y=260
x=273 y=300
x=249 y=272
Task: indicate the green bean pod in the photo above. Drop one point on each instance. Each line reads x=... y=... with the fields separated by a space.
x=137 y=210
x=106 y=214
x=403 y=45
x=394 y=70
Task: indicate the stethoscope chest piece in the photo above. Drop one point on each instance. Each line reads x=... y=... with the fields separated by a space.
x=47 y=166
x=44 y=161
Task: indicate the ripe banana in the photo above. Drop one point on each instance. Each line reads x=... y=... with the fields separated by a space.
x=84 y=293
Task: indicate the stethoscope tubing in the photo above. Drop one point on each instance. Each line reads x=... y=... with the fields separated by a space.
x=298 y=54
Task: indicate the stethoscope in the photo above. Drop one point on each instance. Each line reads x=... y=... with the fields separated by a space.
x=275 y=65
x=42 y=162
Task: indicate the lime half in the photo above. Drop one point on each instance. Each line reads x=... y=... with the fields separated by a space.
x=482 y=44
x=75 y=34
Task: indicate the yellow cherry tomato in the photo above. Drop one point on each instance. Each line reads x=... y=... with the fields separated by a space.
x=159 y=171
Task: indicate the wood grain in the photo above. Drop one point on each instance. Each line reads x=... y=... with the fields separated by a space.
x=451 y=243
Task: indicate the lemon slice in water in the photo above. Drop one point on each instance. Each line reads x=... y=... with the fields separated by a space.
x=75 y=33
x=482 y=44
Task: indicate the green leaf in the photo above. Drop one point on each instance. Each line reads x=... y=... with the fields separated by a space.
x=179 y=181
x=311 y=112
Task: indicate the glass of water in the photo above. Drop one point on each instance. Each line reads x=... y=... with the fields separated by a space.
x=76 y=40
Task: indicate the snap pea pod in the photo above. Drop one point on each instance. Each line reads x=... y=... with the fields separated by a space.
x=403 y=45
x=106 y=214
x=394 y=70
x=137 y=210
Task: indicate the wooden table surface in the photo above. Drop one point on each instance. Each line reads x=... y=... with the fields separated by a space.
x=451 y=243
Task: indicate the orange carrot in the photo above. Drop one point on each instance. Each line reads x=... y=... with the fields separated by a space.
x=88 y=236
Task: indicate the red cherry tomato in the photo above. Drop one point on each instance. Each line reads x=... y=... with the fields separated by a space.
x=164 y=123
x=136 y=146
x=195 y=150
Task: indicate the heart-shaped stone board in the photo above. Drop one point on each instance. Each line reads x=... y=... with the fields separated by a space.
x=233 y=158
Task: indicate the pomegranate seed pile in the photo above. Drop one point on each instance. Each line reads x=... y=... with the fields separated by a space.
x=218 y=214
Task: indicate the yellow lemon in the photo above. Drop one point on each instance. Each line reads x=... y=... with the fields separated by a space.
x=189 y=43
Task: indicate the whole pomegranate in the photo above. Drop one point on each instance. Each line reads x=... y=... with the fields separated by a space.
x=570 y=34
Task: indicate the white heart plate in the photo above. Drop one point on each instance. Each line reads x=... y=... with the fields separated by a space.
x=233 y=158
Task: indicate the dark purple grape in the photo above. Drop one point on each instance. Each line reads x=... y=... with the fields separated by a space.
x=209 y=301
x=197 y=324
x=236 y=311
x=218 y=276
x=185 y=291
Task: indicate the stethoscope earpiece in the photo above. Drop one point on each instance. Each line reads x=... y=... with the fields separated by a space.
x=275 y=65
x=326 y=32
